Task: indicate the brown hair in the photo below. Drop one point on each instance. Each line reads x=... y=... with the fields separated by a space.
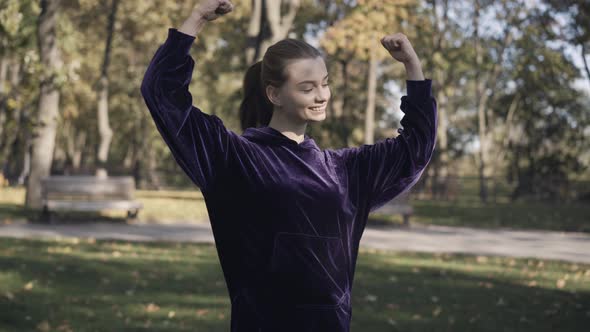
x=256 y=109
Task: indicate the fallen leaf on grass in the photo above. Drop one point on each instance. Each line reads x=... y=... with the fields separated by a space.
x=392 y=306
x=65 y=327
x=44 y=326
x=202 y=312
x=29 y=285
x=152 y=307
x=436 y=311
x=370 y=298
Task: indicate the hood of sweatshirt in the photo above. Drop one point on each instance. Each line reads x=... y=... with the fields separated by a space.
x=270 y=136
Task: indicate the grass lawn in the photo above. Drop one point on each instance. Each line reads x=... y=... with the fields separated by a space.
x=107 y=285
x=572 y=217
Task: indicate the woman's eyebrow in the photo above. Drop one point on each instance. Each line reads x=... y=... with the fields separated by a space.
x=311 y=81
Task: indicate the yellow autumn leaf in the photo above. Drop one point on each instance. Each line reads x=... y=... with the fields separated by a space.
x=28 y=285
x=44 y=326
x=436 y=311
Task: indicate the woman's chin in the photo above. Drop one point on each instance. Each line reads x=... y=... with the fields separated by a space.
x=317 y=118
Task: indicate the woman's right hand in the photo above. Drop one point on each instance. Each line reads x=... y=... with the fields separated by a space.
x=212 y=9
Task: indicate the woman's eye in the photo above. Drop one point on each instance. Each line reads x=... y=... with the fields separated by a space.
x=309 y=90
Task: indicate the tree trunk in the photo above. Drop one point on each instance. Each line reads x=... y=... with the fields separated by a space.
x=104 y=129
x=479 y=92
x=267 y=26
x=585 y=61
x=23 y=178
x=254 y=32
x=75 y=143
x=44 y=137
x=371 y=95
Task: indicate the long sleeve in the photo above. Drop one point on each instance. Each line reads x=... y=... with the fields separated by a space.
x=197 y=140
x=379 y=172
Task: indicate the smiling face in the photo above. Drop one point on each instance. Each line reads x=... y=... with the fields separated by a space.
x=305 y=95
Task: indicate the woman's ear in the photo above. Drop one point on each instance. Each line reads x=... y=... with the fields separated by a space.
x=273 y=95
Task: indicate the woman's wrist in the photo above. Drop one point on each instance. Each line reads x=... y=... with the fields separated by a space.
x=414 y=70
x=193 y=24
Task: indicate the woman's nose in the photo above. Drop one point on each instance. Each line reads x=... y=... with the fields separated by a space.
x=323 y=96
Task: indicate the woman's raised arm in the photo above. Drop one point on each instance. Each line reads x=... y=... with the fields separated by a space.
x=379 y=172
x=197 y=140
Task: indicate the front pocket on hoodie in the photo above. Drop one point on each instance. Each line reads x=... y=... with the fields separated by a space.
x=309 y=270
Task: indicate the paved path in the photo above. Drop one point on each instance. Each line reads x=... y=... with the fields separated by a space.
x=574 y=247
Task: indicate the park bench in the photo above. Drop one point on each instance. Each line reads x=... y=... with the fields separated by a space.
x=399 y=205
x=88 y=193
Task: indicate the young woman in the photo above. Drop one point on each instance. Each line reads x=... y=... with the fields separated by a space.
x=287 y=216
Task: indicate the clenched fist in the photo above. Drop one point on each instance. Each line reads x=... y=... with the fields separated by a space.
x=211 y=9
x=400 y=48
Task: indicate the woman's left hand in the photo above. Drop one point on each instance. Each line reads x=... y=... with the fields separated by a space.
x=400 y=48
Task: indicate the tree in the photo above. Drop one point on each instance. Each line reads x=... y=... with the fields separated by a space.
x=105 y=131
x=44 y=137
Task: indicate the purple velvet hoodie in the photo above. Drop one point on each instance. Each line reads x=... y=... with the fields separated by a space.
x=287 y=217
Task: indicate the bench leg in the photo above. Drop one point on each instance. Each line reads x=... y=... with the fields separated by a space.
x=406 y=220
x=132 y=215
x=47 y=216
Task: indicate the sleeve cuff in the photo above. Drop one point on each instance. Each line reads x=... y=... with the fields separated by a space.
x=180 y=42
x=419 y=90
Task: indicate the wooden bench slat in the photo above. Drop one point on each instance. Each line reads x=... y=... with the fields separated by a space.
x=92 y=205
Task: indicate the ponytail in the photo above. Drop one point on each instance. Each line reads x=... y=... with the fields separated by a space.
x=255 y=109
